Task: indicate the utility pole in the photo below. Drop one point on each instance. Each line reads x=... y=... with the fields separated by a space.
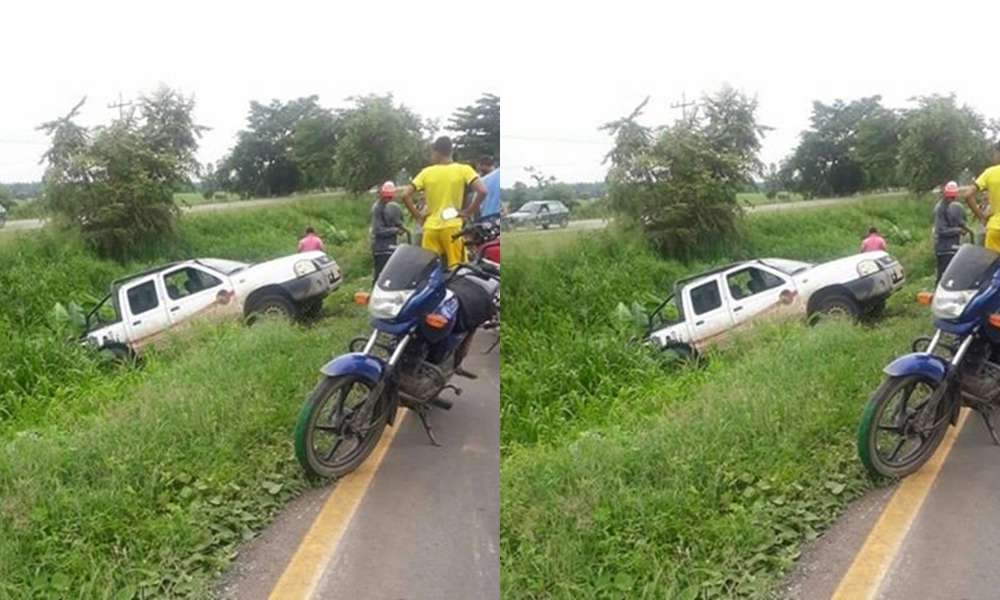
x=683 y=105
x=120 y=106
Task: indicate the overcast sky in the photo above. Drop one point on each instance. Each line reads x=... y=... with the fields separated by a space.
x=226 y=54
x=599 y=65
x=561 y=69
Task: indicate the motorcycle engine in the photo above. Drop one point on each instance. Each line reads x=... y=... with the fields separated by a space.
x=982 y=379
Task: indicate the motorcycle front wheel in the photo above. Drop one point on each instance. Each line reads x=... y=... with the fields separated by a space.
x=890 y=443
x=338 y=426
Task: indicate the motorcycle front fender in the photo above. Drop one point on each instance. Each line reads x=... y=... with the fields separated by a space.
x=357 y=364
x=918 y=363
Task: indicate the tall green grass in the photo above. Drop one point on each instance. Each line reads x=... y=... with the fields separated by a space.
x=623 y=479
x=39 y=361
x=141 y=482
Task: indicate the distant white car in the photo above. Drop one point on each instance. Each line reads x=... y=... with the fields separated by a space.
x=705 y=307
x=141 y=307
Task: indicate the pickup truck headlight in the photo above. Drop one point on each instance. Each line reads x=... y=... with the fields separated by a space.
x=304 y=267
x=949 y=305
x=867 y=267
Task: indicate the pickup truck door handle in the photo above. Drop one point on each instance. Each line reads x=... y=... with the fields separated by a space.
x=175 y=309
x=738 y=309
x=134 y=323
x=699 y=323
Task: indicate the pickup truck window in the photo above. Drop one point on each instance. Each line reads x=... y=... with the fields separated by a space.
x=747 y=282
x=142 y=298
x=706 y=297
x=187 y=281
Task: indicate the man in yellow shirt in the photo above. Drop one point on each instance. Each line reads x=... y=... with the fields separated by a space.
x=443 y=184
x=989 y=182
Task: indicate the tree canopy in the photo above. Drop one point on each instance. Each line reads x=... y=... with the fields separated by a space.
x=116 y=182
x=678 y=183
x=478 y=129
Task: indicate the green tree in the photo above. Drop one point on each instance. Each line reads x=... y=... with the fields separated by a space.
x=940 y=140
x=478 y=129
x=678 y=183
x=377 y=139
x=263 y=162
x=6 y=200
x=850 y=146
x=314 y=146
x=116 y=183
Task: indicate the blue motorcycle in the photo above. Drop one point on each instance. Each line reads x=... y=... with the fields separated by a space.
x=908 y=415
x=423 y=319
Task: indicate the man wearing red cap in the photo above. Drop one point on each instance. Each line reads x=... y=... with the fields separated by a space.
x=949 y=224
x=387 y=224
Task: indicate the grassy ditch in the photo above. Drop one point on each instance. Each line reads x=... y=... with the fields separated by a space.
x=620 y=478
x=140 y=482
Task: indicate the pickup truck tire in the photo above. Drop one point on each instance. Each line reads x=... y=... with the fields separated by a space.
x=835 y=304
x=272 y=304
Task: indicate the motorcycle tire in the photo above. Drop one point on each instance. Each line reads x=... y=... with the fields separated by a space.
x=322 y=463
x=872 y=427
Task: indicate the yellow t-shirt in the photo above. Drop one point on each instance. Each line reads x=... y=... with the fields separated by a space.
x=444 y=186
x=990 y=182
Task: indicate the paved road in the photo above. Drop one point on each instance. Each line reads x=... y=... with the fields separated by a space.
x=590 y=224
x=28 y=224
x=950 y=550
x=428 y=526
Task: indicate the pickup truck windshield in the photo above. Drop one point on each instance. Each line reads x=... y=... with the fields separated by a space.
x=788 y=267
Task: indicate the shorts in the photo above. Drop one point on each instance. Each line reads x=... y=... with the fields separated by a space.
x=992 y=240
x=439 y=241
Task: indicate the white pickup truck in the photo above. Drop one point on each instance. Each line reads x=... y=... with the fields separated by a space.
x=141 y=307
x=705 y=307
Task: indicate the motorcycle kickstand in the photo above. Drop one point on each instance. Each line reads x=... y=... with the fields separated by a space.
x=422 y=413
x=989 y=424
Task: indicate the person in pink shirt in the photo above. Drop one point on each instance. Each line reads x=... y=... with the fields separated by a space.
x=873 y=241
x=310 y=241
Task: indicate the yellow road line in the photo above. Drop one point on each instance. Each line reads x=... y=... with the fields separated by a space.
x=302 y=575
x=865 y=574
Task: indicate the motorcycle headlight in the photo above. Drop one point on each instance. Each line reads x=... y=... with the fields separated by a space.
x=867 y=267
x=304 y=267
x=950 y=304
x=386 y=305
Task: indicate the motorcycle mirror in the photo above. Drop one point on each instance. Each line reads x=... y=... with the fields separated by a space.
x=449 y=213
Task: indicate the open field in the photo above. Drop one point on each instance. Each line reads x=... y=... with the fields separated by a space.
x=142 y=480
x=624 y=479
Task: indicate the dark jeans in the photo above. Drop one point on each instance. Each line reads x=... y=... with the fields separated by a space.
x=942 y=264
x=380 y=258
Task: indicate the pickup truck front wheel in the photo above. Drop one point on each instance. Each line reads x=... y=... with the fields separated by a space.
x=272 y=305
x=835 y=305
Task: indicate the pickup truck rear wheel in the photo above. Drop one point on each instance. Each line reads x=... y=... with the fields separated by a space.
x=272 y=305
x=835 y=305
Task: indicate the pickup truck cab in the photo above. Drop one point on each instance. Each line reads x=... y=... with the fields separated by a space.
x=141 y=307
x=707 y=306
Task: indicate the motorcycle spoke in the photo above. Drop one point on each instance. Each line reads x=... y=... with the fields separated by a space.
x=333 y=449
x=899 y=446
